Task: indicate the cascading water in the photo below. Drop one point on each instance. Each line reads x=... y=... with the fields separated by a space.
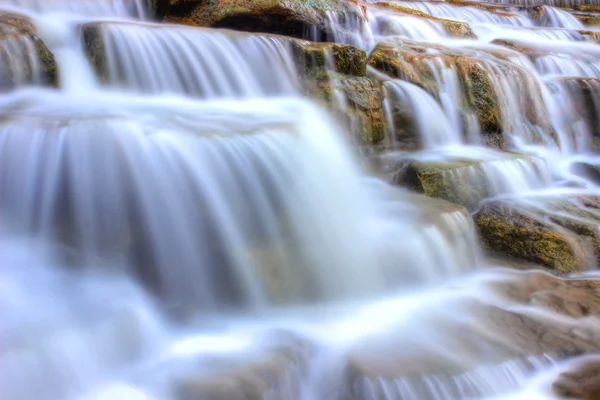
x=201 y=63
x=178 y=222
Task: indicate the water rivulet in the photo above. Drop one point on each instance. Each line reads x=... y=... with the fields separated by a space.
x=281 y=200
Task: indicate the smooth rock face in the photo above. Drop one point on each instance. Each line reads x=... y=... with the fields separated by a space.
x=274 y=16
x=567 y=242
x=24 y=58
x=582 y=383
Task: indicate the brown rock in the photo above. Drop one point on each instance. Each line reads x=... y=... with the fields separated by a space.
x=289 y=17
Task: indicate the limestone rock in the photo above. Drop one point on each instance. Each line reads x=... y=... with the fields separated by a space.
x=286 y=17
x=24 y=58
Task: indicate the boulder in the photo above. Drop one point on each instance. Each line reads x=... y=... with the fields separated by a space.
x=24 y=58
x=286 y=17
x=556 y=233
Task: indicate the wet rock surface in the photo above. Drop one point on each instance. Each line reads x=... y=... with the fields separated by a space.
x=562 y=235
x=24 y=58
x=291 y=18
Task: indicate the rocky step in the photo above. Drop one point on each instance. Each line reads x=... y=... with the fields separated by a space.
x=291 y=17
x=24 y=58
x=483 y=76
x=332 y=72
x=468 y=181
x=557 y=232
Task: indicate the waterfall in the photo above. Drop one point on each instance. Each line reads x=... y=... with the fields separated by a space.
x=466 y=14
x=180 y=220
x=553 y=17
x=98 y=8
x=203 y=63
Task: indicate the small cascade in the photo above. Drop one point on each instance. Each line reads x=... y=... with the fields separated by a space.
x=556 y=18
x=466 y=14
x=174 y=242
x=75 y=330
x=96 y=8
x=483 y=382
x=351 y=27
x=581 y=59
x=409 y=106
x=406 y=26
x=551 y=3
x=580 y=99
x=197 y=62
x=20 y=63
x=489 y=33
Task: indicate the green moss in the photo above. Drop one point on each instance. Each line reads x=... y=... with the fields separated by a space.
x=480 y=94
x=444 y=181
x=312 y=58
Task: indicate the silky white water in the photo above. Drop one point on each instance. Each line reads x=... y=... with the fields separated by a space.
x=177 y=221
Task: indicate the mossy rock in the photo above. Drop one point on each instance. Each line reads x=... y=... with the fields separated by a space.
x=515 y=231
x=404 y=61
x=15 y=31
x=315 y=58
x=452 y=28
x=362 y=104
x=286 y=17
x=459 y=181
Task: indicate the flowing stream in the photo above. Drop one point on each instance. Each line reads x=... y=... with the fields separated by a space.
x=178 y=221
